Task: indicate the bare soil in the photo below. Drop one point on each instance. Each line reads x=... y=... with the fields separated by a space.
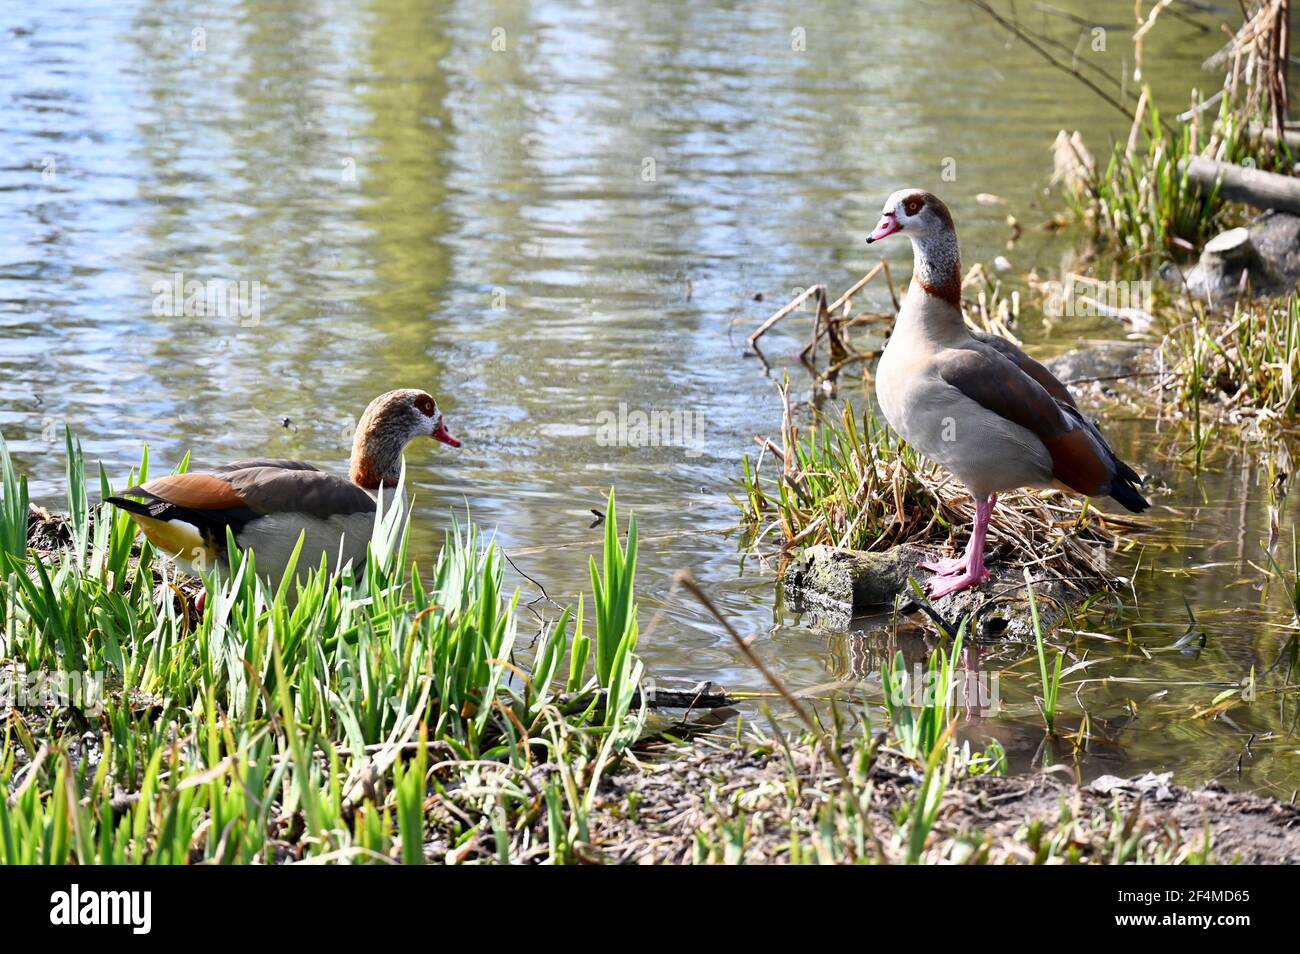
x=682 y=802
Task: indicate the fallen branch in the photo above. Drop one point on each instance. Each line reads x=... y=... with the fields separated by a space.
x=767 y=325
x=1263 y=190
x=1290 y=135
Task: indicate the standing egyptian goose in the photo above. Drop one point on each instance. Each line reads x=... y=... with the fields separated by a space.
x=267 y=504
x=975 y=403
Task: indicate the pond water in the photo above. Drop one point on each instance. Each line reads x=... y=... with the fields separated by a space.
x=547 y=212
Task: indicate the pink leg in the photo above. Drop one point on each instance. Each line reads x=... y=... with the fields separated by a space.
x=951 y=566
x=947 y=566
x=975 y=573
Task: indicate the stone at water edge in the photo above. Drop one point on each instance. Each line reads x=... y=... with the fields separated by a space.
x=1231 y=246
x=1266 y=253
x=835 y=585
x=1105 y=367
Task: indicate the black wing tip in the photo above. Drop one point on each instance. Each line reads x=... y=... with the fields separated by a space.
x=1125 y=473
x=1126 y=494
x=130 y=506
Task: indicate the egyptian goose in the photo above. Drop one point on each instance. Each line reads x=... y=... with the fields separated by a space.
x=975 y=403
x=267 y=503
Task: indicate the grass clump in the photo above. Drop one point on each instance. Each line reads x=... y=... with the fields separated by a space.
x=388 y=718
x=1143 y=201
x=370 y=717
x=1246 y=363
x=922 y=730
x=850 y=482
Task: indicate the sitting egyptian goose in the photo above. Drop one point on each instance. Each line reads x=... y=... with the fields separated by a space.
x=267 y=504
x=975 y=403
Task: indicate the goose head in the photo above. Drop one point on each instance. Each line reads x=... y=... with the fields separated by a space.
x=915 y=212
x=389 y=423
x=936 y=255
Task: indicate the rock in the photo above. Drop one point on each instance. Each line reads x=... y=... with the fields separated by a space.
x=1276 y=237
x=836 y=585
x=1106 y=360
x=853 y=578
x=1265 y=255
x=1106 y=370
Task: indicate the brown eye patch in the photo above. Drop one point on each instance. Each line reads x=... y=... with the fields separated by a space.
x=426 y=406
x=912 y=206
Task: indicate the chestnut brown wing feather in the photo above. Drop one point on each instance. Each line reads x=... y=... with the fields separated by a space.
x=196 y=491
x=995 y=383
x=1053 y=386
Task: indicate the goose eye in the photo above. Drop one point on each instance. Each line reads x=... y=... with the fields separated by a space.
x=426 y=406
x=912 y=206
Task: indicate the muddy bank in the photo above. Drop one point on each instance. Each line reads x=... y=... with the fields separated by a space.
x=688 y=809
x=47 y=533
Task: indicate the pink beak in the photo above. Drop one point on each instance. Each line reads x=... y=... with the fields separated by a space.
x=440 y=433
x=887 y=225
